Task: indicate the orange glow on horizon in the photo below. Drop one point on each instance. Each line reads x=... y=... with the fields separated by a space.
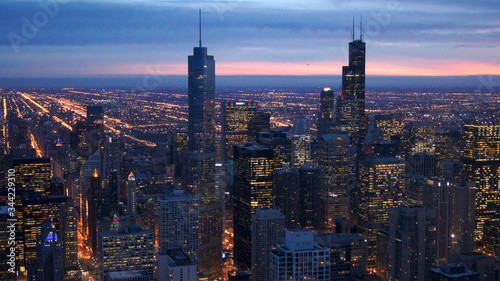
x=410 y=67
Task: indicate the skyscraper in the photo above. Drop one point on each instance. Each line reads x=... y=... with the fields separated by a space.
x=268 y=227
x=301 y=142
x=333 y=162
x=95 y=205
x=253 y=188
x=351 y=116
x=131 y=194
x=178 y=223
x=199 y=162
x=326 y=112
x=412 y=250
x=128 y=249
x=287 y=195
x=49 y=254
x=236 y=117
x=300 y=258
x=381 y=187
x=482 y=164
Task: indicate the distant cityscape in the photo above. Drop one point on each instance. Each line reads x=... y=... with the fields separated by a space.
x=250 y=184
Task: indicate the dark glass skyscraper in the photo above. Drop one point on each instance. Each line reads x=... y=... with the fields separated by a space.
x=351 y=117
x=198 y=174
x=201 y=101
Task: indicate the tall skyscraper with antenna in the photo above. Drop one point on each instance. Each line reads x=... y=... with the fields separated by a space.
x=351 y=116
x=198 y=168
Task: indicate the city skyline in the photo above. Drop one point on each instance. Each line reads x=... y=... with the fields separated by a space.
x=87 y=38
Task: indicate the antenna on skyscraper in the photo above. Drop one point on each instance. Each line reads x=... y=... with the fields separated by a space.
x=200 y=28
x=361 y=29
x=352 y=29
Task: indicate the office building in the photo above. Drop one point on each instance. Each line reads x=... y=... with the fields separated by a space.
x=253 y=188
x=309 y=197
x=179 y=223
x=49 y=254
x=453 y=272
x=236 y=117
x=391 y=125
x=380 y=188
x=348 y=254
x=482 y=164
x=130 y=248
x=300 y=258
x=326 y=115
x=95 y=212
x=491 y=238
x=33 y=172
x=175 y=265
x=412 y=243
x=281 y=145
x=260 y=122
x=421 y=137
x=268 y=228
x=301 y=142
x=132 y=193
x=334 y=163
x=482 y=264
x=351 y=116
x=287 y=195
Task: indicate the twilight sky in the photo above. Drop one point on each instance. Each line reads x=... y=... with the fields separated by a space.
x=68 y=38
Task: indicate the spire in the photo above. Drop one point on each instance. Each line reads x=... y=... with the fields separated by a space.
x=200 y=27
x=352 y=29
x=361 y=29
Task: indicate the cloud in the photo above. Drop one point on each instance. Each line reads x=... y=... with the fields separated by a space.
x=145 y=32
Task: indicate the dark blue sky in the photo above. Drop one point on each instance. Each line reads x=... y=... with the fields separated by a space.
x=50 y=38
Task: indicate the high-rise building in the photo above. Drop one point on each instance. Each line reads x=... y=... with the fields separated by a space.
x=281 y=145
x=422 y=164
x=178 y=223
x=491 y=238
x=86 y=172
x=128 y=249
x=49 y=254
x=69 y=238
x=33 y=172
x=253 y=188
x=268 y=227
x=482 y=264
x=95 y=205
x=351 y=116
x=454 y=203
x=333 y=162
x=412 y=243
x=287 y=195
x=421 y=137
x=301 y=142
x=453 y=272
x=35 y=205
x=381 y=187
x=175 y=265
x=300 y=258
x=347 y=254
x=482 y=164
x=8 y=259
x=309 y=197
x=391 y=125
x=260 y=122
x=326 y=112
x=132 y=194
x=236 y=117
x=199 y=162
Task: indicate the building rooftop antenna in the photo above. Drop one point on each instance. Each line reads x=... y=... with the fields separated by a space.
x=200 y=27
x=361 y=29
x=352 y=29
